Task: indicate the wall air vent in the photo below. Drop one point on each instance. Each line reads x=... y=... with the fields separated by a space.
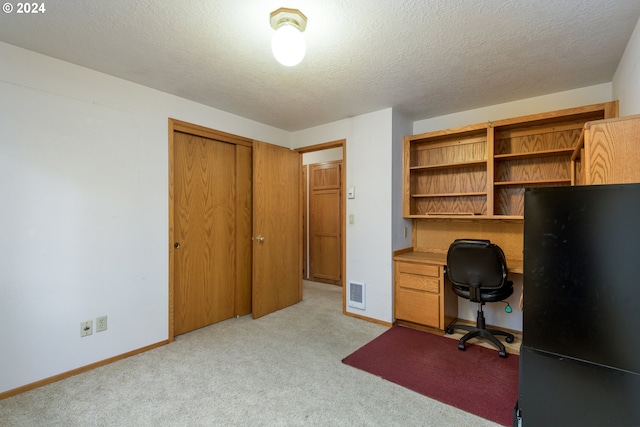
x=356 y=295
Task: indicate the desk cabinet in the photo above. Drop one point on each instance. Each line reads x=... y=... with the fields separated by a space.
x=608 y=153
x=421 y=294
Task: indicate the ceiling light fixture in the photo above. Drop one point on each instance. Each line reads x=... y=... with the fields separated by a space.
x=288 y=45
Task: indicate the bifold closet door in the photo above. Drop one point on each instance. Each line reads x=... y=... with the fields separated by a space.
x=205 y=231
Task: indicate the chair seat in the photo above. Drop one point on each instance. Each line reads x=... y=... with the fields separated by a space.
x=486 y=295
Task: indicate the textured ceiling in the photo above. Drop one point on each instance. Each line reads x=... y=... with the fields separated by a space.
x=425 y=58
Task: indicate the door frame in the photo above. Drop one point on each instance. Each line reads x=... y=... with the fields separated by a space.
x=189 y=128
x=343 y=216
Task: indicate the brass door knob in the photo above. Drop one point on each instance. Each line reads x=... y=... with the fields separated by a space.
x=176 y=245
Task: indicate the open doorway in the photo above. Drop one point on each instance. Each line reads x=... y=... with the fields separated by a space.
x=324 y=229
x=324 y=233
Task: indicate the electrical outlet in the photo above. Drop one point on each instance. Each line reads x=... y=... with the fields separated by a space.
x=86 y=328
x=101 y=324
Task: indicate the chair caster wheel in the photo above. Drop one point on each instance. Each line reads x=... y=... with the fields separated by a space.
x=461 y=347
x=502 y=354
x=449 y=331
x=509 y=339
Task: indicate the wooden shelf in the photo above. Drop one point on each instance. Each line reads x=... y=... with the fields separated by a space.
x=449 y=194
x=548 y=182
x=449 y=165
x=512 y=217
x=534 y=154
x=453 y=213
x=470 y=217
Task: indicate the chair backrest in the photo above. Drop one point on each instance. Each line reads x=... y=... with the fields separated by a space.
x=476 y=263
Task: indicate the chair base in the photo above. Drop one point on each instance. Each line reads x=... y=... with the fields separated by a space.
x=480 y=331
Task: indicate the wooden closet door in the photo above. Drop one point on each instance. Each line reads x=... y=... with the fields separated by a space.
x=277 y=228
x=205 y=231
x=325 y=244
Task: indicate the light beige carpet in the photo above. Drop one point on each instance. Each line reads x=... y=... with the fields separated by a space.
x=283 y=369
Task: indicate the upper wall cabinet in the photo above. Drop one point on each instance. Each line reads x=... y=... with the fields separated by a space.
x=609 y=152
x=481 y=171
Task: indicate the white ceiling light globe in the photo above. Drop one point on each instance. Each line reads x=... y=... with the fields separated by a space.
x=288 y=45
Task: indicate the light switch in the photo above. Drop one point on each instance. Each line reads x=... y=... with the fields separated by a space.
x=351 y=219
x=351 y=193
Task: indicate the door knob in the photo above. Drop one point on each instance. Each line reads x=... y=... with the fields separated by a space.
x=176 y=245
x=259 y=239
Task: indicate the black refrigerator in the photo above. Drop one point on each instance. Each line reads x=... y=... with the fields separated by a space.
x=580 y=354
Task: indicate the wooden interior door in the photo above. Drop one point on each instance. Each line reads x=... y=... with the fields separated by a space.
x=277 y=231
x=211 y=213
x=305 y=213
x=325 y=244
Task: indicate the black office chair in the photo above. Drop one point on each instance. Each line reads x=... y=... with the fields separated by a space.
x=477 y=270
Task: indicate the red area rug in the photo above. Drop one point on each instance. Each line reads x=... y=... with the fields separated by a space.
x=476 y=380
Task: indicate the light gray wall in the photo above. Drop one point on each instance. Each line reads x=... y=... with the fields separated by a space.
x=554 y=101
x=328 y=155
x=368 y=168
x=401 y=127
x=626 y=82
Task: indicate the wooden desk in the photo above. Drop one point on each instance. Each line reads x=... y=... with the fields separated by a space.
x=422 y=293
x=514 y=265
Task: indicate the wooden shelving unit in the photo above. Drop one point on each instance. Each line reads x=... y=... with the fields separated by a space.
x=480 y=171
x=447 y=172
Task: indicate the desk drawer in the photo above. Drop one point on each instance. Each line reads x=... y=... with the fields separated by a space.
x=423 y=277
x=418 y=307
x=421 y=269
x=418 y=282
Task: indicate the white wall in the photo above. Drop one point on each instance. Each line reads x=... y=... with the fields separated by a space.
x=84 y=212
x=555 y=101
x=495 y=313
x=401 y=127
x=321 y=156
x=626 y=81
x=368 y=168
